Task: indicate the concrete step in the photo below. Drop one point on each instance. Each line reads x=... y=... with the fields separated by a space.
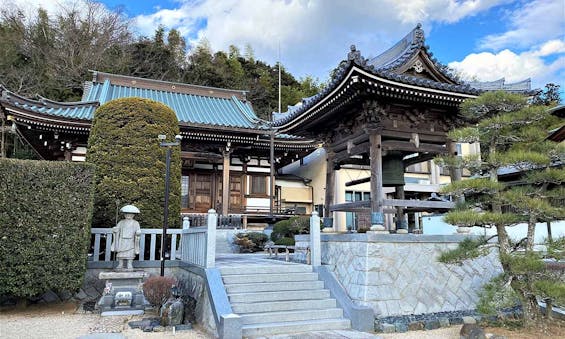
x=278 y=296
x=263 y=278
x=272 y=269
x=285 y=316
x=294 y=326
x=277 y=306
x=277 y=286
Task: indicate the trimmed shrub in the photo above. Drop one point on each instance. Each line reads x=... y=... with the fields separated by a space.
x=289 y=228
x=130 y=164
x=251 y=241
x=285 y=241
x=157 y=289
x=45 y=215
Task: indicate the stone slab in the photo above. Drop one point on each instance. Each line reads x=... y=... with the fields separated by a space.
x=122 y=312
x=102 y=336
x=123 y=275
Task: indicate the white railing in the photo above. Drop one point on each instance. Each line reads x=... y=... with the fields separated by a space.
x=196 y=245
x=103 y=241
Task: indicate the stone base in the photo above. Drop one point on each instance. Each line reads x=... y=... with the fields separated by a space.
x=378 y=227
x=328 y=230
x=463 y=230
x=401 y=231
x=123 y=294
x=378 y=232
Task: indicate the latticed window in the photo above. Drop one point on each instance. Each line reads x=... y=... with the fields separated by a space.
x=258 y=184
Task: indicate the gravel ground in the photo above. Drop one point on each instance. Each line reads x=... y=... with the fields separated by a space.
x=62 y=321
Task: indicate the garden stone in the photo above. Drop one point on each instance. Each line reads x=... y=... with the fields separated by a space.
x=172 y=312
x=183 y=327
x=386 y=328
x=159 y=329
x=416 y=326
x=65 y=295
x=443 y=322
x=472 y=331
x=469 y=320
x=80 y=295
x=432 y=324
x=401 y=327
x=50 y=297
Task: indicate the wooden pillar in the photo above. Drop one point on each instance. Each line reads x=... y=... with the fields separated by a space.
x=330 y=187
x=377 y=196
x=454 y=173
x=401 y=225
x=226 y=183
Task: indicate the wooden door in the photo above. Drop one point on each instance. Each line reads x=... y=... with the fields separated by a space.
x=202 y=192
x=236 y=193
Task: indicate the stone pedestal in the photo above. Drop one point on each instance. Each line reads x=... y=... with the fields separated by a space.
x=123 y=294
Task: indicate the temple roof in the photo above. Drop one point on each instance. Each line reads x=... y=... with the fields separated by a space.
x=408 y=64
x=196 y=105
x=501 y=85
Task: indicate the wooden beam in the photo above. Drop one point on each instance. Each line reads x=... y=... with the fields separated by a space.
x=420 y=158
x=394 y=145
x=357 y=182
x=431 y=137
x=200 y=155
x=419 y=204
x=416 y=204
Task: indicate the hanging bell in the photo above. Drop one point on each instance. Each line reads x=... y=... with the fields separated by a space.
x=393 y=170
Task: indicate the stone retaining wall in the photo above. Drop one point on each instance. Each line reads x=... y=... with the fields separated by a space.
x=398 y=274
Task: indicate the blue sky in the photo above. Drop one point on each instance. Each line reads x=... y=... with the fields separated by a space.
x=481 y=39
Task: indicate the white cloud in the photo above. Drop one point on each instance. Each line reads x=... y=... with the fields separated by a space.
x=514 y=67
x=313 y=34
x=532 y=24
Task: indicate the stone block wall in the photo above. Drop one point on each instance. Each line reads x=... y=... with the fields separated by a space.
x=400 y=275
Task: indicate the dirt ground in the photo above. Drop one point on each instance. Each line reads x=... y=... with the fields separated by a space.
x=64 y=321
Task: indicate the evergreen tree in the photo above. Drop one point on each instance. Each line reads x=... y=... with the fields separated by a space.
x=512 y=136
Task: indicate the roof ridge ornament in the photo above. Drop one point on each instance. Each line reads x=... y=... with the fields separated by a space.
x=419 y=36
x=355 y=56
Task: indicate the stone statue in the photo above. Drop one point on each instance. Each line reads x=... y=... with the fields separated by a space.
x=126 y=236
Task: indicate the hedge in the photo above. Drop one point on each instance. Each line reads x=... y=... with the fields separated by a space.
x=130 y=164
x=45 y=216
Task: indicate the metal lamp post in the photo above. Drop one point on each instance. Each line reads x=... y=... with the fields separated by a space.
x=168 y=145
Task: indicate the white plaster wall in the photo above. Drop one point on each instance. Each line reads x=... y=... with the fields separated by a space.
x=396 y=277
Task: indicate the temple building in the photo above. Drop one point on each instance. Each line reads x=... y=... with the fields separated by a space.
x=223 y=141
x=385 y=117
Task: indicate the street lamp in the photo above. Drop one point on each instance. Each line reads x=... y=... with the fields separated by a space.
x=168 y=145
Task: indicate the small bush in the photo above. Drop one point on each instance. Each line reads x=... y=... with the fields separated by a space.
x=285 y=241
x=157 y=289
x=251 y=241
x=45 y=216
x=362 y=229
x=289 y=228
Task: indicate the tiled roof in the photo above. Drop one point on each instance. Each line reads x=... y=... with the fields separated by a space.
x=384 y=66
x=190 y=108
x=500 y=84
x=197 y=105
x=82 y=110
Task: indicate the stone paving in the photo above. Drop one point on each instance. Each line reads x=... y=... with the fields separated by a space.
x=335 y=334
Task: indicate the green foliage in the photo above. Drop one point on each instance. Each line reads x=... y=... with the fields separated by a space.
x=496 y=295
x=289 y=228
x=549 y=96
x=469 y=248
x=553 y=289
x=473 y=186
x=491 y=103
x=251 y=241
x=45 y=215
x=130 y=164
x=285 y=241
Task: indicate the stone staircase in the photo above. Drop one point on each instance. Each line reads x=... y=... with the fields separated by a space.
x=281 y=299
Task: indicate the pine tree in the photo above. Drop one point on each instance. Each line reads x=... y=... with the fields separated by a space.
x=512 y=135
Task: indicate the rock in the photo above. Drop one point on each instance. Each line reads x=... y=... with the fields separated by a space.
x=416 y=326
x=92 y=292
x=469 y=320
x=401 y=327
x=80 y=295
x=443 y=322
x=159 y=329
x=387 y=328
x=65 y=295
x=50 y=297
x=431 y=324
x=183 y=327
x=472 y=331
